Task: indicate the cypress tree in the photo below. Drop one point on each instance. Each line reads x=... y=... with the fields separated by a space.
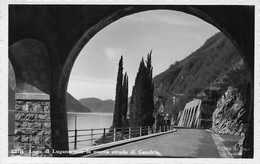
x=124 y=100
x=117 y=117
x=149 y=90
x=132 y=109
x=141 y=105
x=137 y=99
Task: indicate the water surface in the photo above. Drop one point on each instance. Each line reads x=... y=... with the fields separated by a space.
x=84 y=121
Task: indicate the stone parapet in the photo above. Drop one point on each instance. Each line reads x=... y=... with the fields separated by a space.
x=32 y=124
x=32 y=96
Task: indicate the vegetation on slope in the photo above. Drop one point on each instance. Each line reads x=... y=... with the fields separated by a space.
x=196 y=72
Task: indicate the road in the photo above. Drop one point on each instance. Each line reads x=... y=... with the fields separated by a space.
x=184 y=143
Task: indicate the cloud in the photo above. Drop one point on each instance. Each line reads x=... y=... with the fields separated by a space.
x=112 y=53
x=179 y=19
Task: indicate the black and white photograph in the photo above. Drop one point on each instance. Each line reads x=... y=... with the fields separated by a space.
x=130 y=81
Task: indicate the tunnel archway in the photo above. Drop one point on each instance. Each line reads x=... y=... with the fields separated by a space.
x=66 y=69
x=29 y=89
x=29 y=57
x=132 y=10
x=61 y=29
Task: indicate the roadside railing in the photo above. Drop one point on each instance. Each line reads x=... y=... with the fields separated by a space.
x=85 y=138
x=93 y=137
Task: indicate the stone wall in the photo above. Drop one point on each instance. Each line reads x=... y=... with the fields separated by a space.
x=32 y=125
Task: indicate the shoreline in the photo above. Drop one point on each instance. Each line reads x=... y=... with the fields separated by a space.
x=89 y=113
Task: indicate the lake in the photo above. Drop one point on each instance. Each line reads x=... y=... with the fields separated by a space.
x=87 y=121
x=90 y=120
x=84 y=121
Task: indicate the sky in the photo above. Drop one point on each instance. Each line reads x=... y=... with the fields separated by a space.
x=172 y=36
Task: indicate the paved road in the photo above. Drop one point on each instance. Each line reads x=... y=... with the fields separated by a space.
x=185 y=143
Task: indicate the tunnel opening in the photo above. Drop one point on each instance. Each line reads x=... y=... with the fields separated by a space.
x=61 y=63
x=204 y=18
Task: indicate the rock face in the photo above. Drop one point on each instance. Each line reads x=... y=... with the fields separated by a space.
x=229 y=116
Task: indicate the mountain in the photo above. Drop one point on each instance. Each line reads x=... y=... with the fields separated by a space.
x=197 y=71
x=74 y=105
x=97 y=105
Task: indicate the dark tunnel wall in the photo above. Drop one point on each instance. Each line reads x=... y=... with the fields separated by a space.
x=65 y=29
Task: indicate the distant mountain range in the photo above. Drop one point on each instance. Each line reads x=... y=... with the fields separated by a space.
x=98 y=106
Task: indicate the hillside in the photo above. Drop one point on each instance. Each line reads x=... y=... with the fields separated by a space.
x=193 y=74
x=74 y=105
x=97 y=105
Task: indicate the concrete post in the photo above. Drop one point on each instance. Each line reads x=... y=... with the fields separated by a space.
x=75 y=135
x=180 y=117
x=75 y=139
x=91 y=137
x=114 y=135
x=187 y=118
x=184 y=117
x=197 y=121
x=129 y=131
x=192 y=118
x=104 y=134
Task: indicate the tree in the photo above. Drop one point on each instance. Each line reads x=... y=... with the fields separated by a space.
x=117 y=117
x=149 y=89
x=142 y=106
x=124 y=100
x=137 y=99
